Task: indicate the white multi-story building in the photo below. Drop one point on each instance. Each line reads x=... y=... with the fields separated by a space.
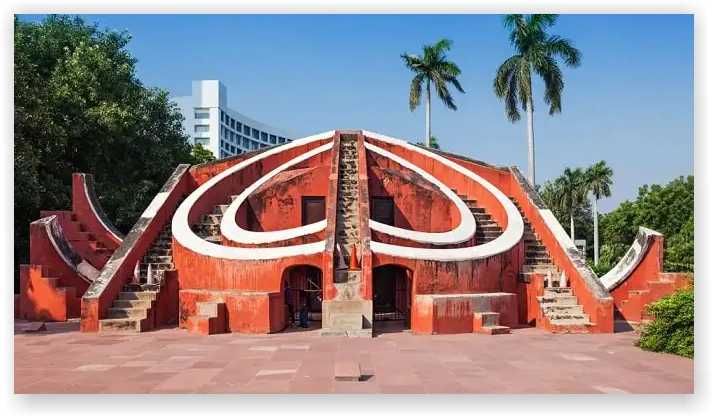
x=225 y=132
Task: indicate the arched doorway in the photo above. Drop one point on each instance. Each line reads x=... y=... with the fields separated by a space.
x=391 y=298
x=303 y=294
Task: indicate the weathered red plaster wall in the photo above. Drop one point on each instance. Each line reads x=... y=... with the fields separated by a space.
x=41 y=299
x=278 y=205
x=417 y=204
x=452 y=179
x=454 y=315
x=247 y=312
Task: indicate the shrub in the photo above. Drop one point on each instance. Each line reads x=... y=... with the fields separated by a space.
x=673 y=329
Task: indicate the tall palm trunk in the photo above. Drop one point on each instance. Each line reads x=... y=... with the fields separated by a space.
x=571 y=232
x=427 y=115
x=530 y=132
x=595 y=230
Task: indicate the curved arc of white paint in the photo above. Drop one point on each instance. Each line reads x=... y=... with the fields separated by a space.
x=96 y=213
x=508 y=239
x=84 y=269
x=232 y=231
x=463 y=232
x=188 y=239
x=634 y=255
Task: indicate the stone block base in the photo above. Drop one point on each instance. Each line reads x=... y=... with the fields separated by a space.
x=351 y=318
x=455 y=314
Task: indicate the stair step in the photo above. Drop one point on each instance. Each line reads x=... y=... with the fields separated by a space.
x=120 y=325
x=558 y=300
x=146 y=296
x=133 y=313
x=496 y=330
x=126 y=303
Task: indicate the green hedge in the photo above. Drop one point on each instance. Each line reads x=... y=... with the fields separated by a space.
x=673 y=329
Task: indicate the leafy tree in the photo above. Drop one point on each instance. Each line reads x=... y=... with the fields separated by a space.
x=550 y=193
x=536 y=51
x=598 y=181
x=201 y=154
x=668 y=209
x=432 y=67
x=433 y=143
x=673 y=329
x=80 y=108
x=680 y=254
x=572 y=190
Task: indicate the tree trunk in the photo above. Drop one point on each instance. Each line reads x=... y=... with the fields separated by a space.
x=530 y=133
x=573 y=238
x=595 y=230
x=427 y=115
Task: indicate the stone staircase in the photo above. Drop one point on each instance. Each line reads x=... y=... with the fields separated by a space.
x=562 y=310
x=209 y=226
x=347 y=220
x=487 y=229
x=344 y=315
x=558 y=304
x=131 y=311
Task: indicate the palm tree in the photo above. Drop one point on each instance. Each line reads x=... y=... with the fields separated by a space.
x=432 y=67
x=598 y=180
x=536 y=51
x=571 y=186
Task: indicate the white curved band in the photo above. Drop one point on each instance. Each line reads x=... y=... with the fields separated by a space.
x=463 y=232
x=232 y=231
x=188 y=239
x=508 y=239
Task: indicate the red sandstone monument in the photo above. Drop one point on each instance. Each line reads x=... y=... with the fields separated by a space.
x=352 y=228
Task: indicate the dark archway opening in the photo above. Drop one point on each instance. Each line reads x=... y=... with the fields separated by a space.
x=392 y=297
x=303 y=294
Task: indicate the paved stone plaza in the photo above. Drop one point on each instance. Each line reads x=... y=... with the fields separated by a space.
x=63 y=360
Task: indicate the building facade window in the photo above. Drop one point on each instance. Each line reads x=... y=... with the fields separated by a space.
x=273 y=139
x=202 y=128
x=255 y=134
x=263 y=136
x=282 y=140
x=203 y=141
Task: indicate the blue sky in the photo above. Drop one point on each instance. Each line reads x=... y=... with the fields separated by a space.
x=629 y=103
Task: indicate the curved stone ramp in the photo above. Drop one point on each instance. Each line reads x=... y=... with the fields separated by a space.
x=507 y=240
x=186 y=237
x=632 y=258
x=52 y=285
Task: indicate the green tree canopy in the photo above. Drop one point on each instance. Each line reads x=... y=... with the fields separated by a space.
x=668 y=209
x=79 y=107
